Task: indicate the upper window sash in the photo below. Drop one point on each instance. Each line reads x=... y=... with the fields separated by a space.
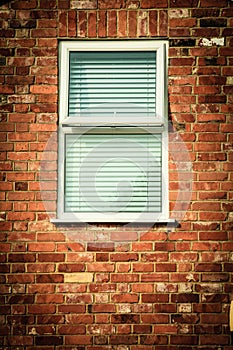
x=160 y=47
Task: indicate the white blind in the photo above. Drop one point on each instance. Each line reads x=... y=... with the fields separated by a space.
x=112 y=82
x=113 y=173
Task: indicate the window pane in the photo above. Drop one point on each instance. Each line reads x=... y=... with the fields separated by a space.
x=112 y=82
x=113 y=173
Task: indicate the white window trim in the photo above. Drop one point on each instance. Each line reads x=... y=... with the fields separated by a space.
x=78 y=124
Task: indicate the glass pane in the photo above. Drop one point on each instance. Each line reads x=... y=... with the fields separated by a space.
x=113 y=173
x=103 y=83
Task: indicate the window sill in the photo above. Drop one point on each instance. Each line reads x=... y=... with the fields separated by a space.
x=168 y=222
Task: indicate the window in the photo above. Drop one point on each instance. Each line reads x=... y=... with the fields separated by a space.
x=113 y=132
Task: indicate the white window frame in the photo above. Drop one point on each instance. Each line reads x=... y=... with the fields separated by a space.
x=77 y=125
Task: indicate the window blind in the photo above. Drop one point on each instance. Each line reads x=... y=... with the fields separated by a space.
x=112 y=82
x=113 y=173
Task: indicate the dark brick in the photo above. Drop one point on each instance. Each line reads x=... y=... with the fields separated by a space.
x=185 y=318
x=125 y=318
x=21 y=299
x=2 y=61
x=49 y=340
x=50 y=278
x=199 y=13
x=184 y=339
x=185 y=298
x=100 y=247
x=123 y=339
x=44 y=14
x=18 y=257
x=216 y=298
x=204 y=329
x=7 y=33
x=21 y=319
x=211 y=22
x=4 y=268
x=101 y=340
x=17 y=24
x=89 y=308
x=21 y=186
x=7 y=52
x=153 y=339
x=211 y=61
x=228 y=267
x=183 y=3
x=182 y=42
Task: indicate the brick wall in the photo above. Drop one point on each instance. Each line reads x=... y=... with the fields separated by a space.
x=62 y=288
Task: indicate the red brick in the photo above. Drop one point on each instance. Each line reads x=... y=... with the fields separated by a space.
x=155 y=257
x=110 y=4
x=71 y=267
x=49 y=278
x=124 y=278
x=100 y=288
x=104 y=308
x=215 y=277
x=155 y=277
x=68 y=329
x=165 y=267
x=124 y=236
x=182 y=62
x=151 y=3
x=82 y=24
x=153 y=236
x=141 y=329
x=92 y=24
x=212 y=216
x=122 y=23
x=124 y=298
x=102 y=31
x=184 y=257
x=215 y=318
x=20 y=216
x=79 y=319
x=18 y=340
x=214 y=236
x=141 y=247
x=163 y=23
x=143 y=288
x=124 y=257
x=155 y=298
x=140 y=267
x=184 y=339
x=71 y=309
x=46 y=33
x=153 y=23
x=100 y=267
x=206 y=246
x=155 y=319
x=40 y=268
x=213 y=339
x=132 y=23
x=46 y=247
x=122 y=339
x=24 y=278
x=165 y=329
x=112 y=23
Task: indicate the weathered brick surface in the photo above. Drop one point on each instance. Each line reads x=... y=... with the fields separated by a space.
x=68 y=288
